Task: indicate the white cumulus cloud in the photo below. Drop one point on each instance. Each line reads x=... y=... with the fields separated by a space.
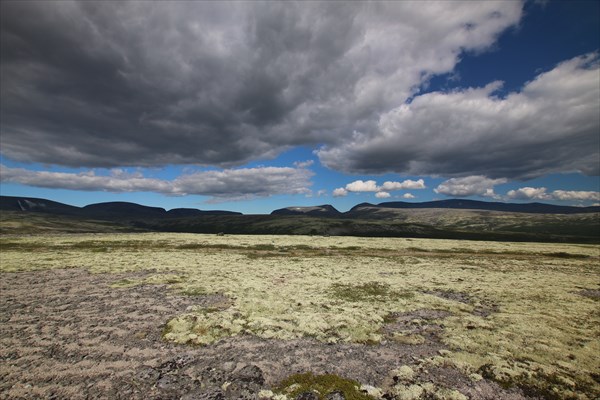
x=362 y=186
x=340 y=192
x=550 y=125
x=304 y=164
x=388 y=186
x=382 y=195
x=407 y=184
x=476 y=185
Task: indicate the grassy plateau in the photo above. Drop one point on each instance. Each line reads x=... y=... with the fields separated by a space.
x=521 y=314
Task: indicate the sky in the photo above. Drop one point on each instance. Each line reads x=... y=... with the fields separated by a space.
x=254 y=106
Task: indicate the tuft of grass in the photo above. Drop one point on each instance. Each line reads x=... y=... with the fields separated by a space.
x=125 y=283
x=255 y=256
x=409 y=338
x=321 y=385
x=166 y=330
x=303 y=247
x=262 y=247
x=205 y=246
x=563 y=254
x=370 y=291
x=418 y=249
x=191 y=246
x=162 y=279
x=103 y=246
x=193 y=291
x=390 y=318
x=20 y=246
x=174 y=279
x=545 y=385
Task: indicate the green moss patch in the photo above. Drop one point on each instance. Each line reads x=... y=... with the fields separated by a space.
x=321 y=385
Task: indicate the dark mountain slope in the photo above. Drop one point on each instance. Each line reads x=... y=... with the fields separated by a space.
x=10 y=203
x=121 y=209
x=193 y=212
x=325 y=210
x=106 y=211
x=462 y=204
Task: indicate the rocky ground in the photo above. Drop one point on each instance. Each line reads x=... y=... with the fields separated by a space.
x=66 y=334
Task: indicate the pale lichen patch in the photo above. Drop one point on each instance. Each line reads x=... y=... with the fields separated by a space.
x=524 y=319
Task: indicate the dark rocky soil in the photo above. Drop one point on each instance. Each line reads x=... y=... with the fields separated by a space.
x=66 y=334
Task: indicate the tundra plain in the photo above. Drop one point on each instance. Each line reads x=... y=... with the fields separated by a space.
x=400 y=318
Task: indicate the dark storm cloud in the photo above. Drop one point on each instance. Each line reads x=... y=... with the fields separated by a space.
x=151 y=83
x=108 y=83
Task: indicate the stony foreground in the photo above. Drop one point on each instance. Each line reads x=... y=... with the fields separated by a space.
x=66 y=334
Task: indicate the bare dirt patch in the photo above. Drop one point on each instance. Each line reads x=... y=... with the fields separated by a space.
x=591 y=293
x=481 y=308
x=419 y=326
x=66 y=334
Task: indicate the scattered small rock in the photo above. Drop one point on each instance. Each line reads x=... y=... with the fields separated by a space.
x=175 y=363
x=335 y=395
x=210 y=394
x=251 y=374
x=147 y=375
x=308 y=396
x=169 y=382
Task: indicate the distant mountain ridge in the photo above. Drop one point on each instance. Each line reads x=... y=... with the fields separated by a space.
x=110 y=210
x=463 y=204
x=448 y=219
x=118 y=209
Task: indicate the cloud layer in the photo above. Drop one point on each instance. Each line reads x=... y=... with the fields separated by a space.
x=530 y=193
x=229 y=184
x=550 y=126
x=482 y=186
x=105 y=84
